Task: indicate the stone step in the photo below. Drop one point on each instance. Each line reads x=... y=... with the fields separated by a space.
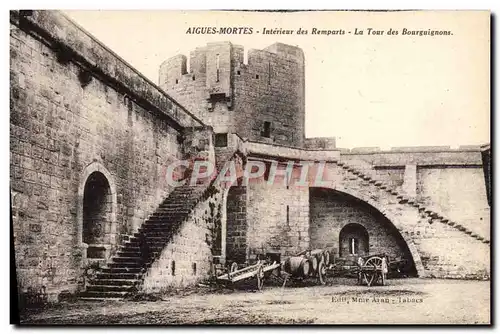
x=99 y=299
x=124 y=265
x=129 y=254
x=103 y=294
x=113 y=270
x=126 y=282
x=167 y=217
x=115 y=275
x=121 y=258
x=132 y=244
x=156 y=230
x=174 y=206
x=155 y=244
x=110 y=288
x=129 y=248
x=161 y=211
x=161 y=222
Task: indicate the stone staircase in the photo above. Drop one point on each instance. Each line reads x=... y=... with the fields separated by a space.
x=432 y=216
x=123 y=273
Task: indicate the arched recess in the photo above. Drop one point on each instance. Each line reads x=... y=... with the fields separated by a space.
x=394 y=220
x=96 y=200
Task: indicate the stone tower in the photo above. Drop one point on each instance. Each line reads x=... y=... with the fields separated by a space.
x=262 y=101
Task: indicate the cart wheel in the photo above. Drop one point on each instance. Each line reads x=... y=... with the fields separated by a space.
x=322 y=273
x=377 y=263
x=260 y=278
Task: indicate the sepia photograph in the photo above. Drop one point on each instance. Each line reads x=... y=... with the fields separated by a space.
x=237 y=167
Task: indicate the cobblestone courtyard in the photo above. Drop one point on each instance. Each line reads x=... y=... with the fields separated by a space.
x=403 y=301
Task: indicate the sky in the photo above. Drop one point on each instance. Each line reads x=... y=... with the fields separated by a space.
x=365 y=90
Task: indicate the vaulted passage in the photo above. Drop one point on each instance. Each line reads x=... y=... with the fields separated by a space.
x=350 y=228
x=97 y=210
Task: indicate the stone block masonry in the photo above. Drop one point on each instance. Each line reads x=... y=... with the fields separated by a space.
x=64 y=127
x=91 y=140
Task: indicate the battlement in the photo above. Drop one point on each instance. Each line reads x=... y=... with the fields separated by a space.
x=261 y=99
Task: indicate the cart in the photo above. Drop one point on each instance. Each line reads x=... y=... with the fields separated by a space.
x=372 y=269
x=255 y=271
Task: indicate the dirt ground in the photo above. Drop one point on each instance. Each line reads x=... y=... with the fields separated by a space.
x=341 y=301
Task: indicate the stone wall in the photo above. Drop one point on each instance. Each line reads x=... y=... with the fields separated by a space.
x=66 y=122
x=448 y=253
x=278 y=217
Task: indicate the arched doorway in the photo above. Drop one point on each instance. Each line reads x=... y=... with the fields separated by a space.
x=96 y=214
x=353 y=240
x=97 y=210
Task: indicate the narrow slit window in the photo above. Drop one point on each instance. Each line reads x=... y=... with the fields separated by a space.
x=269 y=77
x=353 y=246
x=287 y=215
x=267 y=130
x=217 y=66
x=173 y=268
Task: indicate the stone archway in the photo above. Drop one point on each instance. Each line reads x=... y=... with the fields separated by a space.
x=394 y=220
x=96 y=214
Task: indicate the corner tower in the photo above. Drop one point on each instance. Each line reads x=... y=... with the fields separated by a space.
x=263 y=100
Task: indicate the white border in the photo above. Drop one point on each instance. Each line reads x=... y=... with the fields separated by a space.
x=492 y=5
